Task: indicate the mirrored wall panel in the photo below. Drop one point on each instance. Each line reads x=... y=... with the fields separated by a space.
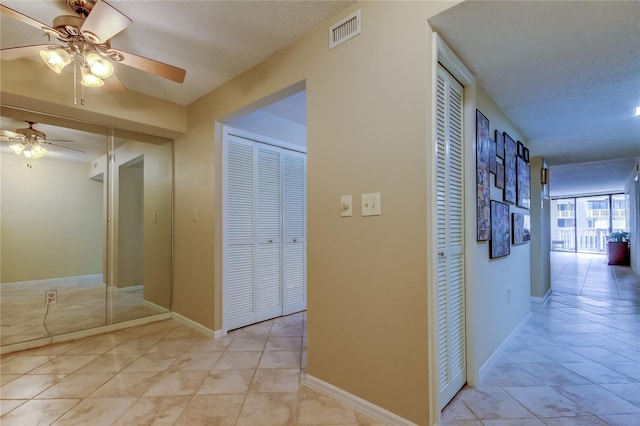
x=85 y=226
x=142 y=227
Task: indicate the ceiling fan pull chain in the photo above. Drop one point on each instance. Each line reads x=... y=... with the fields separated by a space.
x=75 y=85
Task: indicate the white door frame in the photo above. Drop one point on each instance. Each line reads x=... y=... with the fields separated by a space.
x=443 y=54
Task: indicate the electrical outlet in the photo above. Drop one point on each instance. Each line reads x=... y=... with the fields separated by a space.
x=370 y=204
x=50 y=297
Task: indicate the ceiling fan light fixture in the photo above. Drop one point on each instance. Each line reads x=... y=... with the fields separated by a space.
x=37 y=151
x=17 y=148
x=100 y=67
x=89 y=79
x=56 y=59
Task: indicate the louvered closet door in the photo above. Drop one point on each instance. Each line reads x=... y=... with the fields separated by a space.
x=450 y=235
x=269 y=228
x=294 y=227
x=239 y=276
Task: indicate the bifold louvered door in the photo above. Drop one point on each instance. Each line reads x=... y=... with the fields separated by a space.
x=264 y=253
x=239 y=271
x=294 y=232
x=450 y=235
x=269 y=227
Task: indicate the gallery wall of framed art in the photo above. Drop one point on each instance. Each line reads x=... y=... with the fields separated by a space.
x=502 y=203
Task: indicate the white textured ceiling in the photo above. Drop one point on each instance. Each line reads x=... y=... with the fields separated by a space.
x=567 y=74
x=213 y=40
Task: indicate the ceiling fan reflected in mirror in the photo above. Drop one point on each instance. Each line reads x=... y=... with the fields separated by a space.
x=31 y=142
x=86 y=43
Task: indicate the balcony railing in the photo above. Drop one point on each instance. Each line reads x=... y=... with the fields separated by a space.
x=597 y=213
x=588 y=239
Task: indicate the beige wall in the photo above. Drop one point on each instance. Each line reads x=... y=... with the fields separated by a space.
x=367 y=131
x=540 y=233
x=492 y=313
x=37 y=88
x=130 y=261
x=52 y=217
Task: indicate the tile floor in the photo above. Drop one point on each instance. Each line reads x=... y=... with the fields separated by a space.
x=576 y=362
x=589 y=275
x=166 y=373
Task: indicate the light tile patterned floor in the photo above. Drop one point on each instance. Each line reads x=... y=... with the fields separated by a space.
x=577 y=362
x=167 y=373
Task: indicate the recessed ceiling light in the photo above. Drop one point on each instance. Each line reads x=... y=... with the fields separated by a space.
x=637 y=111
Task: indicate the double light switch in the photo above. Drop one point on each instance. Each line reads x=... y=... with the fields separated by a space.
x=369 y=203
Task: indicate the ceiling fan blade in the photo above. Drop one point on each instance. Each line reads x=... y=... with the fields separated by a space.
x=152 y=67
x=23 y=51
x=8 y=134
x=104 y=21
x=7 y=11
x=114 y=85
x=66 y=147
x=58 y=140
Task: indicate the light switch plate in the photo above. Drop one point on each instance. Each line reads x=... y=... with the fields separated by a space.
x=346 y=206
x=370 y=204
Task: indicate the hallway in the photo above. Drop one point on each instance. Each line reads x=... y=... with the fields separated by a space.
x=577 y=360
x=589 y=275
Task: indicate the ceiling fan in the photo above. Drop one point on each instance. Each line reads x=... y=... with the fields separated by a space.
x=30 y=142
x=86 y=41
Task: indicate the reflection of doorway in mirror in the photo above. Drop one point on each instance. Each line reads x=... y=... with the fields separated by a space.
x=130 y=225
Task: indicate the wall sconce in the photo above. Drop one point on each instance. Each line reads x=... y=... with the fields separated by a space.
x=544 y=176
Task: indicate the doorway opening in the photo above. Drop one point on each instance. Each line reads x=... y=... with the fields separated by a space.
x=263 y=175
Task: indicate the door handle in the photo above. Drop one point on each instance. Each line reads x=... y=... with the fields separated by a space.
x=441 y=254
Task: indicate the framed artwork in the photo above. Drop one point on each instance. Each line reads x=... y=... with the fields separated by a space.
x=523 y=184
x=500 y=244
x=482 y=138
x=499 y=136
x=509 y=169
x=492 y=156
x=520 y=149
x=500 y=175
x=521 y=225
x=483 y=185
x=526 y=154
x=484 y=224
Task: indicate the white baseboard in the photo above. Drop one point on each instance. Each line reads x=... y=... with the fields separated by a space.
x=97 y=278
x=543 y=298
x=123 y=289
x=83 y=333
x=501 y=349
x=157 y=308
x=355 y=402
x=195 y=325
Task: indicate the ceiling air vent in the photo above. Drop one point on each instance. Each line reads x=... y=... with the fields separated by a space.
x=345 y=30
